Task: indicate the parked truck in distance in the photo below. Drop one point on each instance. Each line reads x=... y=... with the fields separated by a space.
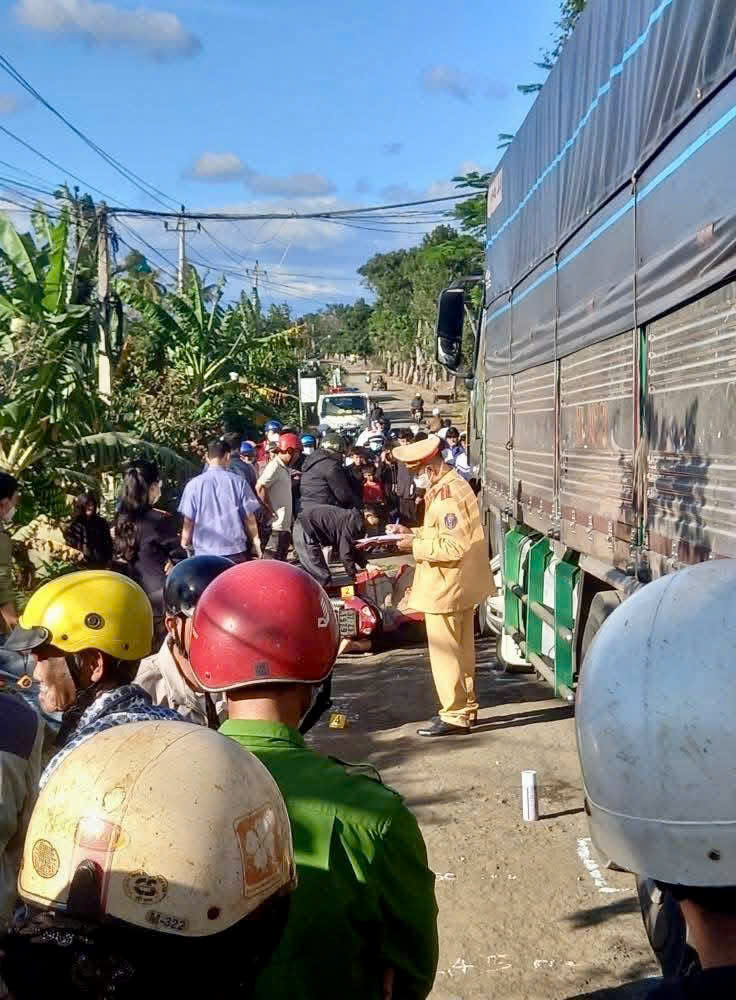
x=603 y=414
x=343 y=410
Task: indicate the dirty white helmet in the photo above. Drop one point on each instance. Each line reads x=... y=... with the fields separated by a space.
x=185 y=832
x=655 y=727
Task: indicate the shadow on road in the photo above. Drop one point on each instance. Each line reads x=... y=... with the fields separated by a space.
x=637 y=990
x=381 y=730
x=600 y=914
x=525 y=718
x=563 y=812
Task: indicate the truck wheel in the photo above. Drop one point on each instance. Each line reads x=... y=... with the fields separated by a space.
x=489 y=620
x=602 y=605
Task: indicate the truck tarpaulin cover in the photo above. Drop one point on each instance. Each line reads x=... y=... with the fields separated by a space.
x=616 y=200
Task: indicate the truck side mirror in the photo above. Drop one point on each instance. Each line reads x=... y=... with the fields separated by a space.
x=450 y=319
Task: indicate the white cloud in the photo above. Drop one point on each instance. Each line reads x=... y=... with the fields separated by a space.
x=448 y=80
x=156 y=33
x=219 y=167
x=443 y=79
x=10 y=103
x=229 y=167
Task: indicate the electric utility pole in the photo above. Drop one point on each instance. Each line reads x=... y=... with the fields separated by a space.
x=181 y=229
x=104 y=381
x=255 y=273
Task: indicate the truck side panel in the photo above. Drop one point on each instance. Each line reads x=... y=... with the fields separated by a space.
x=597 y=444
x=498 y=432
x=691 y=502
x=533 y=437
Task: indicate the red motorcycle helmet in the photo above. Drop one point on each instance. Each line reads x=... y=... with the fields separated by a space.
x=261 y=623
x=289 y=440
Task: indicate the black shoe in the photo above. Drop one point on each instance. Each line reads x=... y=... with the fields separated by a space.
x=439 y=728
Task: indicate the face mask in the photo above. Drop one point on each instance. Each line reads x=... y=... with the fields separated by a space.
x=307 y=450
x=9 y=513
x=273 y=435
x=422 y=482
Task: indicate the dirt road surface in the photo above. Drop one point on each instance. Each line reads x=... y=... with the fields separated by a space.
x=526 y=910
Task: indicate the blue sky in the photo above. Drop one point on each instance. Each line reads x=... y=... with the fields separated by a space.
x=286 y=106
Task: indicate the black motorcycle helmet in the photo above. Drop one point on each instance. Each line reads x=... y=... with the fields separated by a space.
x=189 y=579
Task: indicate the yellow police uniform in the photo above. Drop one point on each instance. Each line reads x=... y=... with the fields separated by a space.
x=452 y=575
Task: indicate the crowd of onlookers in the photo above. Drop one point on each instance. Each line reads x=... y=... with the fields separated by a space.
x=247 y=502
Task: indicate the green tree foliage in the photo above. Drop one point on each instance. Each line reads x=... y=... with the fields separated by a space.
x=406 y=284
x=194 y=365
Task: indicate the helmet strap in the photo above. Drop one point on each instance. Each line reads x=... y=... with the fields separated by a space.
x=321 y=703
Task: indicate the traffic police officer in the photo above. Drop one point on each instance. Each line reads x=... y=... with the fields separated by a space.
x=452 y=575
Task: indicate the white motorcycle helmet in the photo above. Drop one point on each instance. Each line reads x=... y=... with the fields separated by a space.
x=655 y=726
x=186 y=832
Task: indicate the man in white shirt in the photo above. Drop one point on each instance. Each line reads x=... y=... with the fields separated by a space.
x=274 y=491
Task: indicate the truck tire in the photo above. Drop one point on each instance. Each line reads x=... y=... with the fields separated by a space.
x=602 y=605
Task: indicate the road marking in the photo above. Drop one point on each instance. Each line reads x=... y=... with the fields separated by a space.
x=592 y=867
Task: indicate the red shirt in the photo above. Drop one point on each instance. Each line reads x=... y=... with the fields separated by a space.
x=373 y=493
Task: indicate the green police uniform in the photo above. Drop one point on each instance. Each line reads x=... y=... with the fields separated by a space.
x=365 y=901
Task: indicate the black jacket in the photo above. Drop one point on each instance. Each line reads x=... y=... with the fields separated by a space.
x=91 y=536
x=239 y=467
x=325 y=481
x=157 y=544
x=339 y=528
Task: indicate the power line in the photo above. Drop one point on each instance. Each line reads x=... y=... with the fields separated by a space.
x=148 y=189
x=338 y=214
x=136 y=235
x=53 y=163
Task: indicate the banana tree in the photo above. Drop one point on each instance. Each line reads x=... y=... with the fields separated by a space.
x=50 y=410
x=208 y=344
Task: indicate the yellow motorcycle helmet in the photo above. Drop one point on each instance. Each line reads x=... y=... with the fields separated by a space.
x=91 y=609
x=183 y=830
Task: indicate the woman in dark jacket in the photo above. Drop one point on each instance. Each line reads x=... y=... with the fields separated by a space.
x=146 y=539
x=89 y=533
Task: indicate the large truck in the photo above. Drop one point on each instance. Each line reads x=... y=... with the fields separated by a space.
x=603 y=375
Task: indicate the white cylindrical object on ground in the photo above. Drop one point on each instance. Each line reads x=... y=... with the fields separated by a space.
x=529 y=799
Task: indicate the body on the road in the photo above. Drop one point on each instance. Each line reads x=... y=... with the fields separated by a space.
x=452 y=576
